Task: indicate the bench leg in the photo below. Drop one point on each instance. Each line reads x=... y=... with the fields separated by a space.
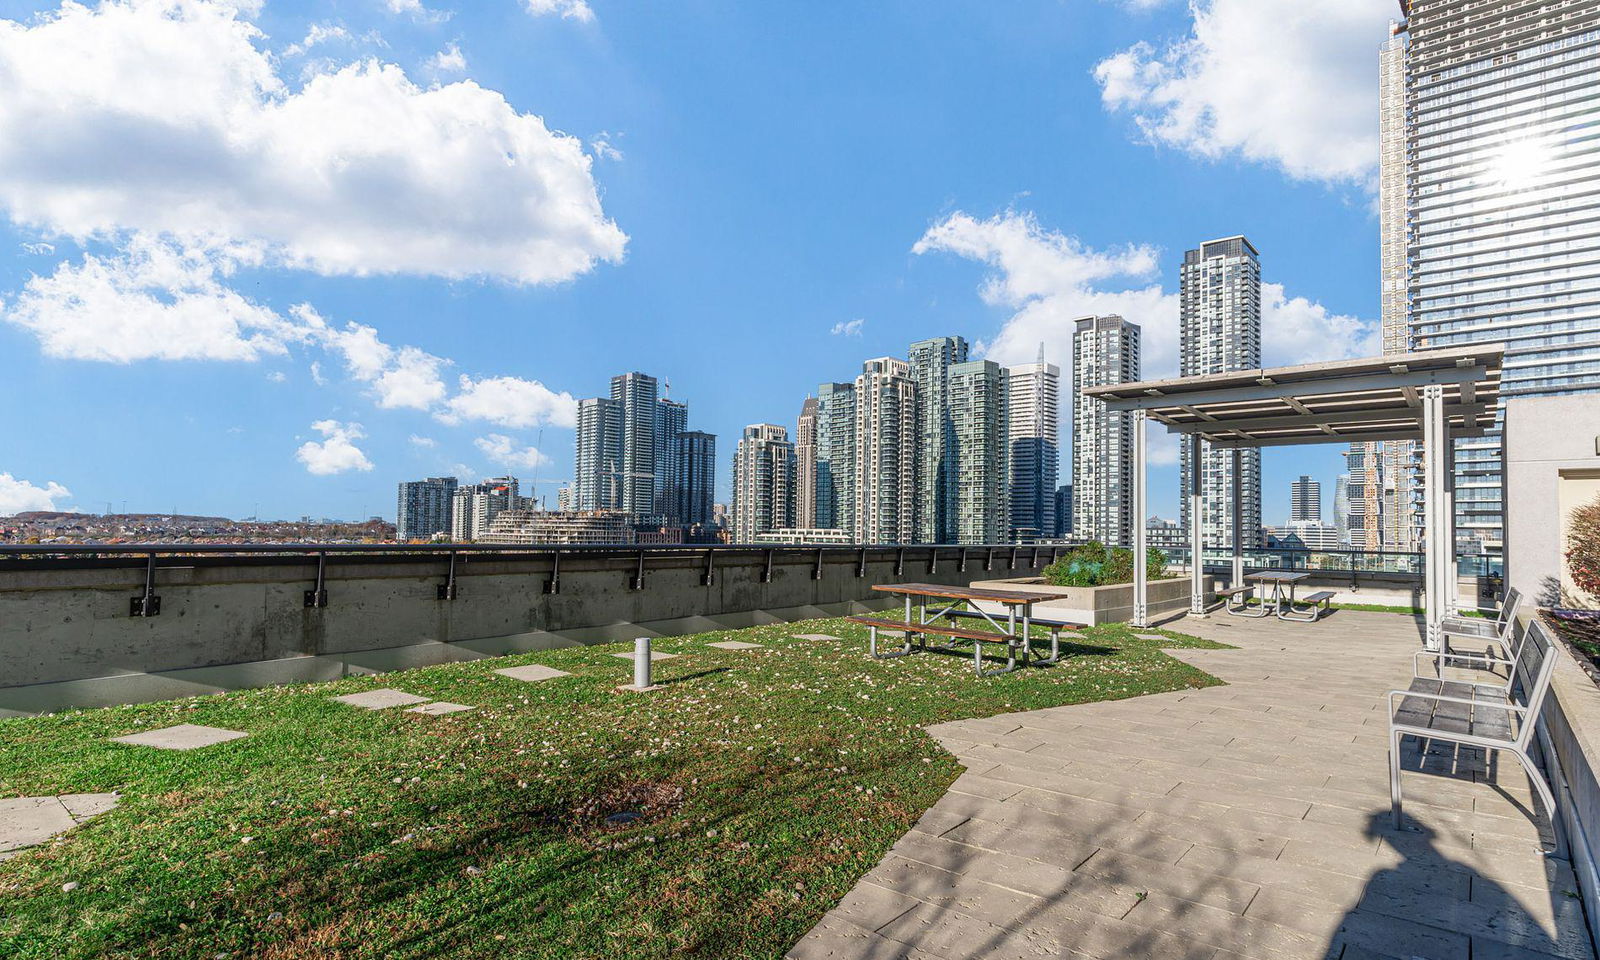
x=1394 y=776
x=1055 y=647
x=1539 y=784
x=977 y=660
x=872 y=646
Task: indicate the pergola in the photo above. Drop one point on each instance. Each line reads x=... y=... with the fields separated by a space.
x=1432 y=397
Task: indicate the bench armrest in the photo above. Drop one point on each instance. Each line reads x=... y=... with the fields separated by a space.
x=1440 y=655
x=1440 y=698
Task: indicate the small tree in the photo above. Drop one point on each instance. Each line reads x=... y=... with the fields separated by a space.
x=1583 y=548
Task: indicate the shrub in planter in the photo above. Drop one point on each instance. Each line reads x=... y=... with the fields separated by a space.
x=1096 y=565
x=1583 y=548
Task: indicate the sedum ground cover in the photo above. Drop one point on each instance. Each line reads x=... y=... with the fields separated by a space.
x=718 y=817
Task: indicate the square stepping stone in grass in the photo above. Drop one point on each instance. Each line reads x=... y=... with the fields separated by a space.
x=1152 y=636
x=184 y=736
x=654 y=655
x=735 y=645
x=381 y=699
x=440 y=707
x=532 y=672
x=814 y=636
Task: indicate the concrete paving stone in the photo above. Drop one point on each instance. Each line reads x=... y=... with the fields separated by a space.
x=815 y=636
x=82 y=806
x=1296 y=878
x=1126 y=869
x=946 y=933
x=440 y=707
x=1234 y=840
x=977 y=786
x=381 y=699
x=837 y=939
x=532 y=672
x=1058 y=931
x=654 y=656
x=184 y=736
x=871 y=906
x=930 y=884
x=1403 y=937
x=29 y=821
x=1226 y=930
x=735 y=645
x=1244 y=799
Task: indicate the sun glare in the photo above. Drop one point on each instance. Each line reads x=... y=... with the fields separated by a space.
x=1518 y=164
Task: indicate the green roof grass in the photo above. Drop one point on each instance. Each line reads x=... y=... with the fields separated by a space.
x=753 y=790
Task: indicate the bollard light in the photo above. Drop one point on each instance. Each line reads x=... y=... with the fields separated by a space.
x=641 y=663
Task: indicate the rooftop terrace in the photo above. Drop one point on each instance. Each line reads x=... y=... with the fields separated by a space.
x=785 y=798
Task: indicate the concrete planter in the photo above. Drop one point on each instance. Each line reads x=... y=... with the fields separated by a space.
x=1096 y=605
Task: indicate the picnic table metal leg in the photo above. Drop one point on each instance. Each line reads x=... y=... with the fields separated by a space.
x=872 y=645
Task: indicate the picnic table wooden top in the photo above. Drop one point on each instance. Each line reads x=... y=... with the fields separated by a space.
x=960 y=593
x=1280 y=576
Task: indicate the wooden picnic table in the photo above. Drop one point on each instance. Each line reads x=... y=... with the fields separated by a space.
x=1013 y=632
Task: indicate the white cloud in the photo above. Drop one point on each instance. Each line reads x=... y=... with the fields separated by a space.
x=1294 y=330
x=318 y=33
x=1049 y=280
x=578 y=10
x=448 y=60
x=510 y=402
x=316 y=374
x=416 y=11
x=401 y=377
x=427 y=443
x=1288 y=84
x=603 y=148
x=336 y=452
x=848 y=328
x=19 y=496
x=502 y=450
x=277 y=376
x=165 y=117
x=39 y=249
x=156 y=301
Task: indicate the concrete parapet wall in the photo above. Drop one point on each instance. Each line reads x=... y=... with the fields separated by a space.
x=67 y=620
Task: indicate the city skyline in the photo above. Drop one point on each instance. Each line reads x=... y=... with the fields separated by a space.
x=328 y=375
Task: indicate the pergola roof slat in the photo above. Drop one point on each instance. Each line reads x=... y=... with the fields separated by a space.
x=1341 y=401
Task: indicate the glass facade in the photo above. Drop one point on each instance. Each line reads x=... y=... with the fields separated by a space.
x=1503 y=206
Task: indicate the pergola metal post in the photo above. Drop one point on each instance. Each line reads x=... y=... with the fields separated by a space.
x=1238 y=519
x=1452 y=576
x=1141 y=606
x=1433 y=442
x=1197 y=500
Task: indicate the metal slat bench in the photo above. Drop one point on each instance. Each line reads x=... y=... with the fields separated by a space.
x=1488 y=716
x=1498 y=630
x=1239 y=607
x=1309 y=608
x=978 y=638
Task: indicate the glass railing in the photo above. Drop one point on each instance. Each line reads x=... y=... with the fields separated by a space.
x=1334 y=561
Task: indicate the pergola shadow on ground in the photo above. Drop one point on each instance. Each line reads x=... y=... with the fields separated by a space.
x=1245 y=820
x=1431 y=397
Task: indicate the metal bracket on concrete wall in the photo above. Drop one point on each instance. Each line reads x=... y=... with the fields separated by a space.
x=637 y=582
x=1035 y=564
x=900 y=563
x=988 y=560
x=553 y=585
x=766 y=570
x=816 y=572
x=1013 y=558
x=317 y=597
x=447 y=590
x=709 y=578
x=861 y=565
x=147 y=604
x=962 y=566
x=933 y=560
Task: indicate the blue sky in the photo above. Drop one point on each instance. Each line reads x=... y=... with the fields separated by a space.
x=512 y=200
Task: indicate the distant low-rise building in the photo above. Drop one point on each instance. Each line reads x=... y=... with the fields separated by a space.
x=558 y=526
x=804 y=535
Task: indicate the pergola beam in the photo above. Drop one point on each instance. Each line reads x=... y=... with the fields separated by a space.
x=1277 y=391
x=1339 y=420
x=1345 y=436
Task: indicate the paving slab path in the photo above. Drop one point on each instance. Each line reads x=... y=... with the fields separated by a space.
x=1242 y=821
x=29 y=821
